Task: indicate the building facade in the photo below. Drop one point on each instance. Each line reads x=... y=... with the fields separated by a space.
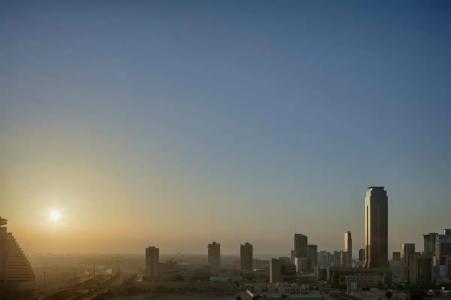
x=407 y=249
x=420 y=270
x=312 y=255
x=152 y=262
x=214 y=255
x=281 y=270
x=430 y=240
x=300 y=245
x=246 y=257
x=442 y=259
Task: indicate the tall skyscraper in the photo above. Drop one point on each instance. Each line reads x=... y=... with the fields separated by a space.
x=300 y=245
x=376 y=227
x=407 y=249
x=430 y=240
x=347 y=251
x=214 y=254
x=246 y=257
x=152 y=262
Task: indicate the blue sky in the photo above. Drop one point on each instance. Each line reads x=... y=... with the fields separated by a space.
x=222 y=116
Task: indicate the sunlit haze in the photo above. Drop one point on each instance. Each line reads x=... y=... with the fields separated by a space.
x=124 y=126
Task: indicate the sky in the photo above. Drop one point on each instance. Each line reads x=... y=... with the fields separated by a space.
x=176 y=123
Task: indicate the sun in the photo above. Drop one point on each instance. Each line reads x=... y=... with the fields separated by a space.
x=55 y=215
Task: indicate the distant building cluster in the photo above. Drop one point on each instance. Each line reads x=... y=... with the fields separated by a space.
x=291 y=275
x=432 y=266
x=370 y=268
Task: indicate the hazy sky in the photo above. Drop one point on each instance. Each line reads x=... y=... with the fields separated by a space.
x=176 y=123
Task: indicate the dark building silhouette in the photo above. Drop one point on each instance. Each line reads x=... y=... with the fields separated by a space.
x=407 y=249
x=430 y=240
x=152 y=262
x=281 y=269
x=214 y=255
x=300 y=245
x=376 y=227
x=420 y=270
x=312 y=255
x=246 y=257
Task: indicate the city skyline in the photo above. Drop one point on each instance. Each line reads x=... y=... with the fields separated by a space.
x=301 y=249
x=179 y=124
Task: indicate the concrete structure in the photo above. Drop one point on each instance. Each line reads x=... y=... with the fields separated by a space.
x=300 y=245
x=281 y=269
x=152 y=262
x=347 y=251
x=312 y=255
x=376 y=228
x=16 y=275
x=430 y=240
x=246 y=257
x=214 y=255
x=407 y=249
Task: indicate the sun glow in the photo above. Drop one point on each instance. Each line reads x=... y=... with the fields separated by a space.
x=55 y=215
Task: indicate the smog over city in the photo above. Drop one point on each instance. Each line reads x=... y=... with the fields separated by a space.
x=219 y=150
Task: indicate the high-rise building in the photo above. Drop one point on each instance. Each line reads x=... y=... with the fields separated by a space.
x=300 y=245
x=407 y=249
x=246 y=257
x=430 y=240
x=16 y=275
x=347 y=251
x=312 y=255
x=376 y=227
x=152 y=262
x=396 y=256
x=214 y=254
